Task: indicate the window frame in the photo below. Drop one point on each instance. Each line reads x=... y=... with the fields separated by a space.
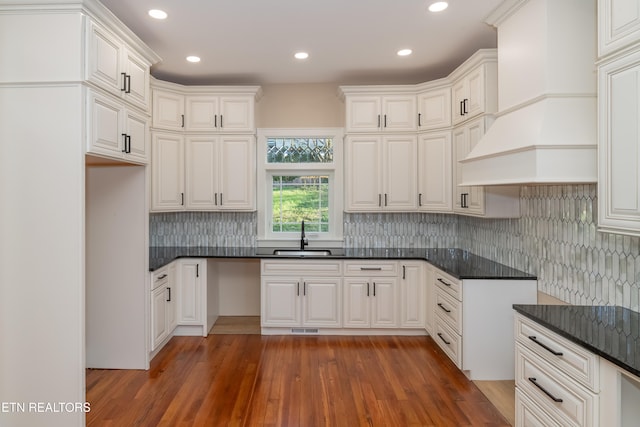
x=266 y=236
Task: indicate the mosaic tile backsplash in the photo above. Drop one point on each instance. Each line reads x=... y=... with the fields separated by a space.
x=555 y=239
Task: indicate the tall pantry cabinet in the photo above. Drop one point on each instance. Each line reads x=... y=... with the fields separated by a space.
x=45 y=79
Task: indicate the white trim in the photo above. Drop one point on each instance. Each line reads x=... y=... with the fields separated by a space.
x=336 y=182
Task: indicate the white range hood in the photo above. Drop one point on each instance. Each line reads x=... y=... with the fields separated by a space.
x=545 y=132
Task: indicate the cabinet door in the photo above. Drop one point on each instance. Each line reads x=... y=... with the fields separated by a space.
x=281 y=301
x=137 y=130
x=434 y=109
x=475 y=92
x=201 y=173
x=362 y=174
x=105 y=126
x=322 y=302
x=469 y=200
x=363 y=113
x=158 y=316
x=168 y=110
x=399 y=113
x=619 y=151
x=137 y=84
x=237 y=173
x=475 y=200
x=384 y=309
x=105 y=59
x=435 y=190
x=192 y=293
x=356 y=304
x=202 y=113
x=171 y=305
x=236 y=113
x=618 y=24
x=400 y=176
x=459 y=93
x=167 y=172
x=412 y=295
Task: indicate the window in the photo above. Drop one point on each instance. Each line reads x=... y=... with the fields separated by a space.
x=302 y=170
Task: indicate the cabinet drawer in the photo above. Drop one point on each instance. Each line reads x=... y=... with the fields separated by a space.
x=296 y=267
x=370 y=268
x=571 y=359
x=160 y=278
x=449 y=341
x=449 y=309
x=564 y=399
x=452 y=286
x=529 y=414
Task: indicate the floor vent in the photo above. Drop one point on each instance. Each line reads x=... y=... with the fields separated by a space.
x=303 y=331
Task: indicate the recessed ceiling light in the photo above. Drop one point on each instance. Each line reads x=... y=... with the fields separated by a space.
x=301 y=55
x=193 y=58
x=405 y=52
x=158 y=14
x=438 y=6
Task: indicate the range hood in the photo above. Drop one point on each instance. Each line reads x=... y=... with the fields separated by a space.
x=545 y=131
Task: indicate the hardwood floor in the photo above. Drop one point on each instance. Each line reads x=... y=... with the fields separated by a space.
x=254 y=380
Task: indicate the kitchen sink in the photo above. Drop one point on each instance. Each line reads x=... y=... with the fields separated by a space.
x=302 y=253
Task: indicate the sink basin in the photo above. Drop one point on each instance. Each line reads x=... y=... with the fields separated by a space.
x=307 y=252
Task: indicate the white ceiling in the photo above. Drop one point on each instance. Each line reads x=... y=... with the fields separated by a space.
x=349 y=41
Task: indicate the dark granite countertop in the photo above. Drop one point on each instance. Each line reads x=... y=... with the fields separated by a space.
x=608 y=331
x=456 y=262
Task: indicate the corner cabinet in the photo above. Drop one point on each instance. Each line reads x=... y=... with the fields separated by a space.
x=618 y=116
x=435 y=164
x=381 y=173
x=490 y=202
x=434 y=109
x=475 y=93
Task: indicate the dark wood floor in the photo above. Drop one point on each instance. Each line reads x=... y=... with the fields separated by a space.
x=308 y=381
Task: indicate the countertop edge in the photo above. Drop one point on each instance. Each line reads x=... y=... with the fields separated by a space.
x=520 y=309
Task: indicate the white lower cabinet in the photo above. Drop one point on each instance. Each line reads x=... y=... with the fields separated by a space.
x=163 y=307
x=300 y=294
x=371 y=294
x=412 y=294
x=555 y=379
x=473 y=322
x=192 y=293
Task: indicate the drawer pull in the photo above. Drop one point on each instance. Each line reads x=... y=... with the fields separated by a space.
x=551 y=396
x=443 y=307
x=370 y=268
x=443 y=282
x=550 y=350
x=443 y=340
x=161 y=277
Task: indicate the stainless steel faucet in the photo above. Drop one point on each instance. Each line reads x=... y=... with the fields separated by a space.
x=303 y=240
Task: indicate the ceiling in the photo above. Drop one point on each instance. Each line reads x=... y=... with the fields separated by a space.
x=348 y=41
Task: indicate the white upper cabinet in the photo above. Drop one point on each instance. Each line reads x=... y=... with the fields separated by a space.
x=386 y=113
x=435 y=190
x=168 y=110
x=475 y=93
x=491 y=201
x=204 y=172
x=618 y=24
x=434 y=109
x=381 y=173
x=619 y=145
x=116 y=131
x=117 y=68
x=201 y=109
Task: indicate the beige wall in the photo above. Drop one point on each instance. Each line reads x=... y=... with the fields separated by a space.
x=300 y=105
